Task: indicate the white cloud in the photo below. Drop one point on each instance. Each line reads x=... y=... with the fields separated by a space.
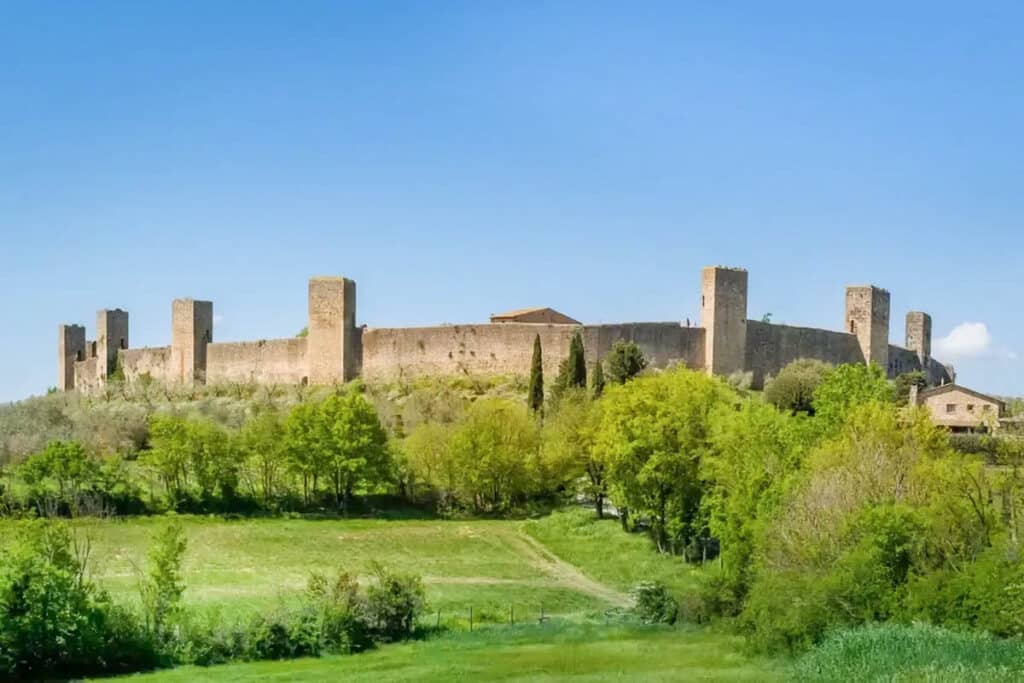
x=966 y=340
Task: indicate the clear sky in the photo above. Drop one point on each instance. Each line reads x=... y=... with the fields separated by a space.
x=458 y=159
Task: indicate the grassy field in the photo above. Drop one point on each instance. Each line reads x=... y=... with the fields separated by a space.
x=555 y=652
x=575 y=567
x=567 y=564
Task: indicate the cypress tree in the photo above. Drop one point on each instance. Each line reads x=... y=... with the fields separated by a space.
x=598 y=379
x=577 y=363
x=535 y=396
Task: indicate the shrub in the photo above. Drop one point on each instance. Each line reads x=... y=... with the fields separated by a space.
x=285 y=635
x=793 y=389
x=392 y=604
x=53 y=621
x=624 y=361
x=655 y=604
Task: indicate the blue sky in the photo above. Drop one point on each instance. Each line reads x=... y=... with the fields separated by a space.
x=458 y=159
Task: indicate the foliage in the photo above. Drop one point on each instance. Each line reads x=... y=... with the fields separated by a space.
x=905 y=381
x=392 y=604
x=653 y=434
x=53 y=621
x=162 y=586
x=624 y=361
x=654 y=604
x=880 y=505
x=847 y=387
x=576 y=366
x=755 y=455
x=535 y=394
x=567 y=447
x=597 y=379
x=793 y=388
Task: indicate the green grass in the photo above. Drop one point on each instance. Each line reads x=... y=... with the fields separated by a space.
x=555 y=652
x=237 y=567
x=894 y=652
x=605 y=553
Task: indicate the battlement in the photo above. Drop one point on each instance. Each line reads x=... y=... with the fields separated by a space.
x=337 y=350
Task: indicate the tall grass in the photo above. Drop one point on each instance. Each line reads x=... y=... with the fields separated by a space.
x=920 y=652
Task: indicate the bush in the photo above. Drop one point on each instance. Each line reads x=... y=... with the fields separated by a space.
x=285 y=635
x=392 y=604
x=624 y=361
x=655 y=604
x=53 y=621
x=793 y=389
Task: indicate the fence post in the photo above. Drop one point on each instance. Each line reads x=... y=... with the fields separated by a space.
x=541 y=621
x=511 y=615
x=438 y=626
x=471 y=618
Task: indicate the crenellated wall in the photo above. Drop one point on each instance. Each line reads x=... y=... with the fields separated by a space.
x=269 y=361
x=337 y=350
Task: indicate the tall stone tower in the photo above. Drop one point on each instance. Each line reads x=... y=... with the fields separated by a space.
x=919 y=336
x=70 y=348
x=191 y=331
x=331 y=345
x=867 y=317
x=111 y=337
x=723 y=315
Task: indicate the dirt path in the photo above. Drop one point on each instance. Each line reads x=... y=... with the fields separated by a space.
x=561 y=572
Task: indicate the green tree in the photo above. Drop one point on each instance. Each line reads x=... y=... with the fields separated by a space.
x=63 y=463
x=905 y=381
x=793 y=388
x=535 y=395
x=356 y=444
x=624 y=361
x=576 y=367
x=568 y=441
x=597 y=380
x=262 y=444
x=306 y=444
x=653 y=434
x=846 y=388
x=755 y=456
x=430 y=462
x=495 y=447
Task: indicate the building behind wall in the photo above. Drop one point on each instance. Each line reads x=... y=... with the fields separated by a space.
x=338 y=350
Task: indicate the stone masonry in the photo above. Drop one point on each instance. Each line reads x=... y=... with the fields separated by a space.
x=337 y=350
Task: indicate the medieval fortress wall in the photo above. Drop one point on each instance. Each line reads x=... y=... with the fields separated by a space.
x=336 y=349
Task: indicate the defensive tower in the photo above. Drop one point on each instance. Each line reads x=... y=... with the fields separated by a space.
x=723 y=315
x=867 y=317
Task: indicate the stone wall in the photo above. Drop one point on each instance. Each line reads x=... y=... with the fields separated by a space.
x=270 y=361
x=86 y=377
x=154 y=362
x=506 y=349
x=771 y=347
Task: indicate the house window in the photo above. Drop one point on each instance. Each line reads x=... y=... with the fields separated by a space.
x=970 y=407
x=986 y=409
x=950 y=407
x=853 y=327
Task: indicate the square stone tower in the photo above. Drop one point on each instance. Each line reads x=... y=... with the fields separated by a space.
x=70 y=348
x=331 y=344
x=919 y=336
x=867 y=317
x=723 y=315
x=111 y=337
x=191 y=331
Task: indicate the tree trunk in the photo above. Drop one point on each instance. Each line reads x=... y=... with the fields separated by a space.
x=599 y=504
